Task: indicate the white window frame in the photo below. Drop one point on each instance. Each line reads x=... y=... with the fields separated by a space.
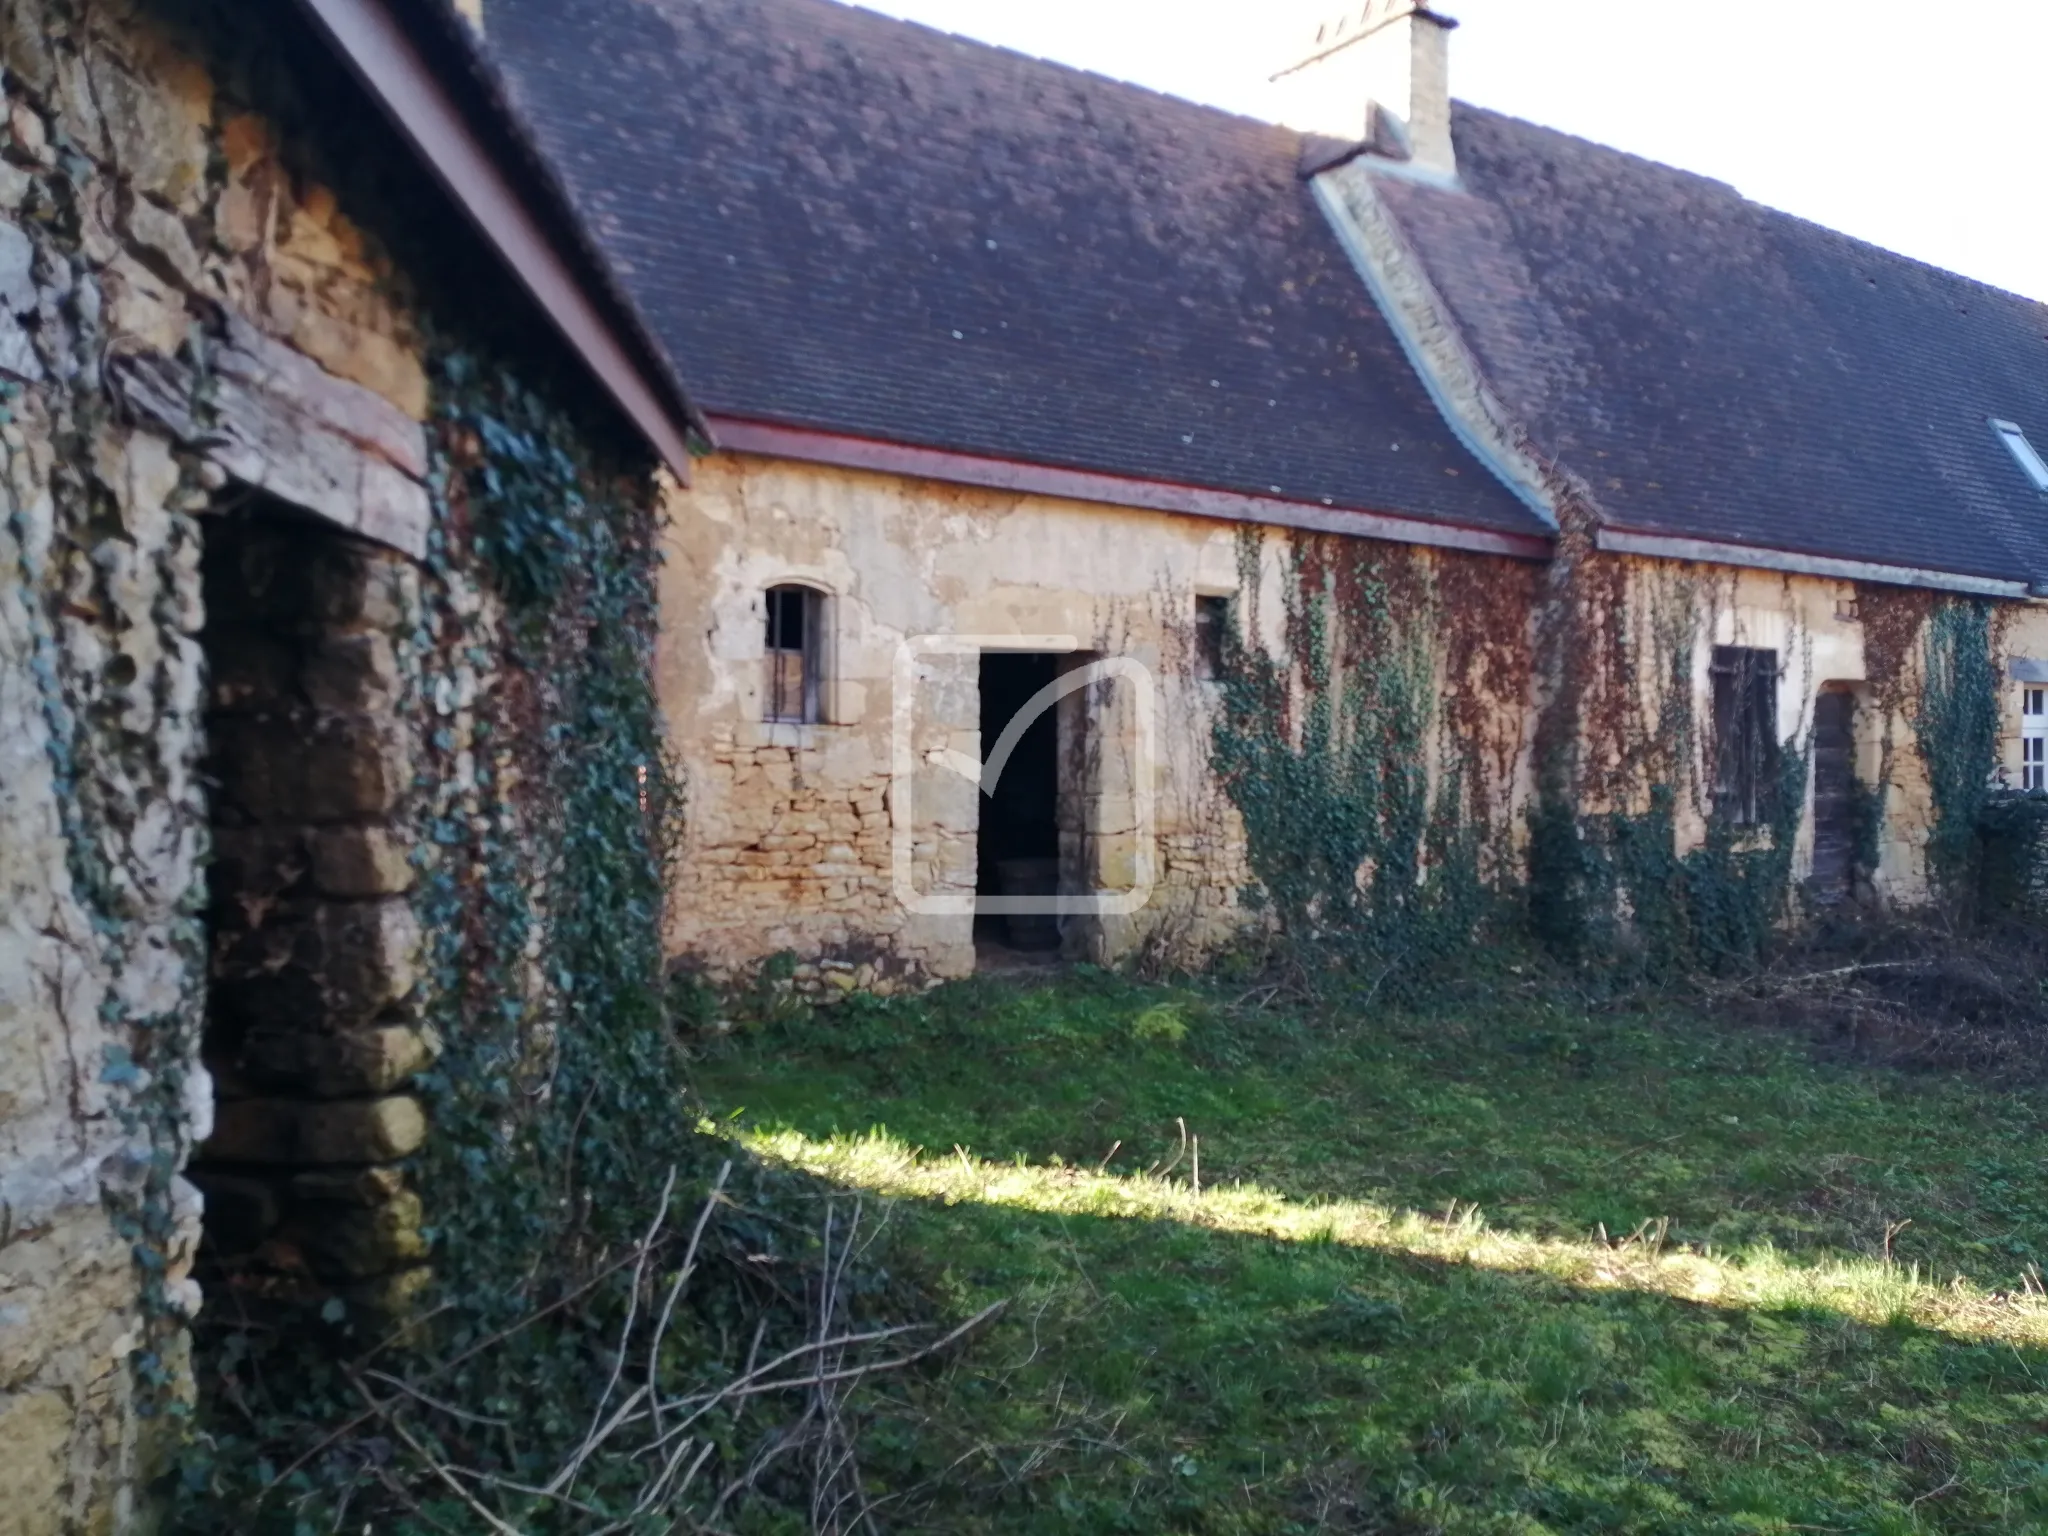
x=2024 y=453
x=2034 y=736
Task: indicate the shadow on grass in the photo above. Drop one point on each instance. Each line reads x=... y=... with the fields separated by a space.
x=1553 y=1121
x=1165 y=1375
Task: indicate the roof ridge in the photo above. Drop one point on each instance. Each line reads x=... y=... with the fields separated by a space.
x=1885 y=251
x=983 y=45
x=1770 y=209
x=1474 y=108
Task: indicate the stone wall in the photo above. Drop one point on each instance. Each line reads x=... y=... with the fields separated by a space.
x=1821 y=630
x=184 y=316
x=794 y=829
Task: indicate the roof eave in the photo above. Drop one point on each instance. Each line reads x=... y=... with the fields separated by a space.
x=768 y=439
x=622 y=356
x=1711 y=552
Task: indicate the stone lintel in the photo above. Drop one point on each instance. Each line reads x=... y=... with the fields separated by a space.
x=281 y=423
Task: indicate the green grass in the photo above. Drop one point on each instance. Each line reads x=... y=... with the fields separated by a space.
x=1520 y=1270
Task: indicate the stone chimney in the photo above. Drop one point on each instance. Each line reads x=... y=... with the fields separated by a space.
x=1379 y=73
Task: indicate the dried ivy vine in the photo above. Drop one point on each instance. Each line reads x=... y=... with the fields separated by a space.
x=1372 y=744
x=1369 y=755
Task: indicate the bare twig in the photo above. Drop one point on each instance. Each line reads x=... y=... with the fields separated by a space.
x=675 y=1291
x=1942 y=1492
x=657 y=1429
x=383 y=1411
x=632 y=1311
x=1891 y=1231
x=435 y=1403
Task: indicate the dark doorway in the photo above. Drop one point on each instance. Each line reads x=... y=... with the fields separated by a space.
x=1834 y=795
x=1018 y=853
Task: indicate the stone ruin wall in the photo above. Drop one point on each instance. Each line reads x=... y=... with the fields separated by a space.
x=154 y=236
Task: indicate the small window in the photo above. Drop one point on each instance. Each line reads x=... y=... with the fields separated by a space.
x=2034 y=738
x=2023 y=453
x=795 y=619
x=1745 y=734
x=1212 y=623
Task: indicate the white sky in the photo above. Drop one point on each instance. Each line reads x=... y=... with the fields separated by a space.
x=1920 y=126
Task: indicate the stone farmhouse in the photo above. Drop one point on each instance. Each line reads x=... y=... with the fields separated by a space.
x=995 y=348
x=341 y=357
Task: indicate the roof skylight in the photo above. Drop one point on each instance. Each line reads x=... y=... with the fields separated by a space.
x=2030 y=462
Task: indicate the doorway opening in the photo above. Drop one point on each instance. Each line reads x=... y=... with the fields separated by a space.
x=1018 y=850
x=1834 y=796
x=312 y=943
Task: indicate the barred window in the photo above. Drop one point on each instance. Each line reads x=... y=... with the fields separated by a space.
x=1745 y=734
x=795 y=622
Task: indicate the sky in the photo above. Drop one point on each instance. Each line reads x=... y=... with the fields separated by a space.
x=1917 y=126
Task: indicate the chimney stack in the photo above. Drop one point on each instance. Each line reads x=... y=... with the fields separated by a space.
x=1379 y=73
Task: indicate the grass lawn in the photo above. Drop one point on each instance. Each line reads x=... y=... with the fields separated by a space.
x=1523 y=1269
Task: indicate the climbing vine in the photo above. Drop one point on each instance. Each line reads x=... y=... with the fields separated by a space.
x=1956 y=728
x=1636 y=863
x=1932 y=664
x=1365 y=754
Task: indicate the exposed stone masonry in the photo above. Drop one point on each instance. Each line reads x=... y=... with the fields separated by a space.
x=180 y=314
x=800 y=860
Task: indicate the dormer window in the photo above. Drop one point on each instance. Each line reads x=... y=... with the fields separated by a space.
x=2023 y=452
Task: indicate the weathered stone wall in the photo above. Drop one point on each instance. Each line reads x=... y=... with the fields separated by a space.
x=793 y=827
x=1827 y=633
x=181 y=314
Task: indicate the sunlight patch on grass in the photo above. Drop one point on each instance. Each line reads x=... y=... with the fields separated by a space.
x=1760 y=1279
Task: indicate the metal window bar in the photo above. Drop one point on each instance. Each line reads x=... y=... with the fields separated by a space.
x=1745 y=681
x=792 y=656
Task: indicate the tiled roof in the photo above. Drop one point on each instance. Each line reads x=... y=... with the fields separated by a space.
x=845 y=222
x=1717 y=370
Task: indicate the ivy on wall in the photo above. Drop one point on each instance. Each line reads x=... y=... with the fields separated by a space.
x=1365 y=755
x=1955 y=725
x=547 y=811
x=1372 y=750
x=1623 y=762
x=1932 y=663
x=548 y=833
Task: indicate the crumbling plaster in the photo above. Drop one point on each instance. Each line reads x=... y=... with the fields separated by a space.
x=790 y=827
x=1815 y=625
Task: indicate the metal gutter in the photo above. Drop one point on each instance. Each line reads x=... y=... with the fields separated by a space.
x=1662 y=546
x=377 y=47
x=770 y=440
